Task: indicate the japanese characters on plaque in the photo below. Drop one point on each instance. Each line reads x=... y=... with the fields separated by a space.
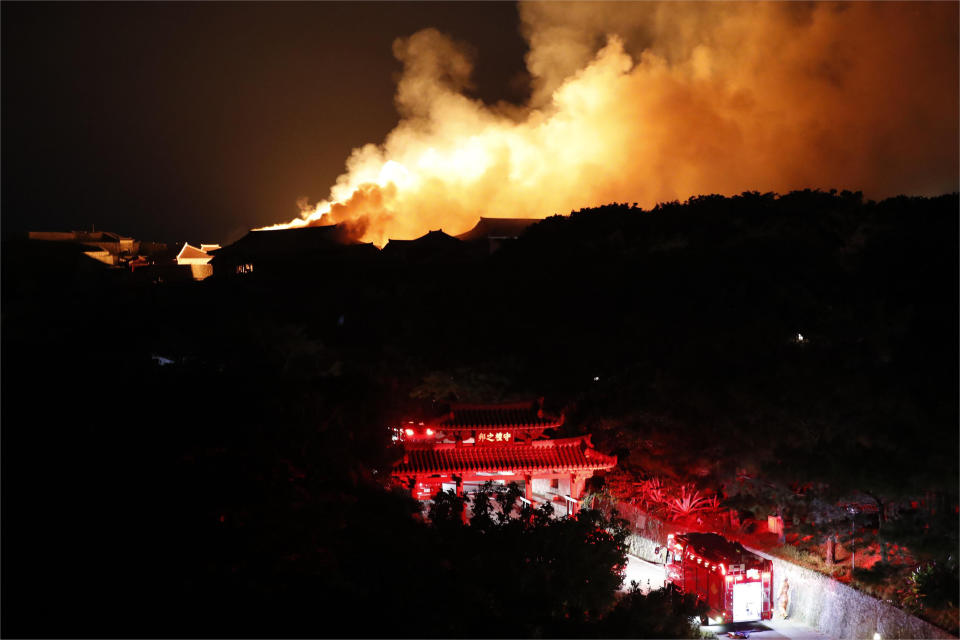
x=493 y=437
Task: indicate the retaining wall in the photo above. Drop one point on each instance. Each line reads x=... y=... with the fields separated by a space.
x=643 y=548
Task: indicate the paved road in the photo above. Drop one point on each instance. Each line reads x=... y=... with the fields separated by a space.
x=650 y=576
x=647 y=574
x=770 y=629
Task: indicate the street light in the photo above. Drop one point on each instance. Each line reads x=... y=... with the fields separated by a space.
x=853 y=511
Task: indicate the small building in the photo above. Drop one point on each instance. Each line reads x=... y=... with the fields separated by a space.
x=491 y=233
x=33 y=266
x=435 y=246
x=103 y=246
x=197 y=259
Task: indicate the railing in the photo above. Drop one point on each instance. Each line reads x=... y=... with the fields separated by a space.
x=639 y=521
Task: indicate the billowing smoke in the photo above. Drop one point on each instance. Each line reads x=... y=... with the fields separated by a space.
x=653 y=102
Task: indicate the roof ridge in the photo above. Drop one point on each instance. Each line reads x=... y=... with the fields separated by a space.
x=475 y=406
x=420 y=458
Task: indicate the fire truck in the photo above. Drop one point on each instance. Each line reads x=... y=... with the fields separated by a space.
x=735 y=584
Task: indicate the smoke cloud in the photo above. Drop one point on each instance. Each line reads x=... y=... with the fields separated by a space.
x=652 y=102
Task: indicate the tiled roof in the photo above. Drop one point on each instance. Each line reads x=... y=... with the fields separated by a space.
x=294 y=246
x=497 y=228
x=568 y=454
x=297 y=239
x=433 y=246
x=522 y=415
x=190 y=252
x=432 y=238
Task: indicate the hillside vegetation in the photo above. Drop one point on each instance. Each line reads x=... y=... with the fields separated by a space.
x=782 y=353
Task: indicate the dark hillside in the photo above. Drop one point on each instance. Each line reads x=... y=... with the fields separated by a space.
x=810 y=337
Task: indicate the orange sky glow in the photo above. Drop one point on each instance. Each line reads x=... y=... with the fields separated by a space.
x=654 y=102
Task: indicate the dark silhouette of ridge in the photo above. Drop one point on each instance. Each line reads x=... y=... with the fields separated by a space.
x=433 y=246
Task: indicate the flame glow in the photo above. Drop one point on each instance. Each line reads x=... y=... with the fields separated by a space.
x=676 y=100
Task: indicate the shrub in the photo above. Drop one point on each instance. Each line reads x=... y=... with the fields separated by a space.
x=804 y=558
x=934 y=584
x=880 y=580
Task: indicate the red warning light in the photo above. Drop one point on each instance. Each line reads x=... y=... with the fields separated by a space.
x=429 y=432
x=409 y=432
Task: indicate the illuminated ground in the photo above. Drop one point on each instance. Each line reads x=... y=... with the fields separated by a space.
x=647 y=574
x=650 y=576
x=769 y=629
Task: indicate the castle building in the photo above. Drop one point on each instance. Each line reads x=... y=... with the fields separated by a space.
x=503 y=443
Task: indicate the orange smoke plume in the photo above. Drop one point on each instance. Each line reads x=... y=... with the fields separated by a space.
x=652 y=102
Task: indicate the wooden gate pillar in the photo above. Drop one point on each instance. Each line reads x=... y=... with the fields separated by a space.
x=576 y=488
x=459 y=481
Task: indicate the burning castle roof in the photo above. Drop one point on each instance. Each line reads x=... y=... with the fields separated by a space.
x=290 y=248
x=289 y=240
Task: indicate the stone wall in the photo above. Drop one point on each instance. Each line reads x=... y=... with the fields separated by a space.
x=644 y=548
x=201 y=271
x=841 y=611
x=829 y=606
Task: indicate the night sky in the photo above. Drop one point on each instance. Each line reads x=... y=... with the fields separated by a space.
x=198 y=121
x=183 y=121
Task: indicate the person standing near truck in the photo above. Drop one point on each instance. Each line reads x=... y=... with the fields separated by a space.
x=783 y=599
